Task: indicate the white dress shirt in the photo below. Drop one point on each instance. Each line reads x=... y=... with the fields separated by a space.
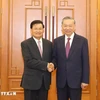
x=71 y=39
x=41 y=43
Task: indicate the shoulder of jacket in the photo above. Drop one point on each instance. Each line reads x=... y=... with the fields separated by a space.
x=27 y=40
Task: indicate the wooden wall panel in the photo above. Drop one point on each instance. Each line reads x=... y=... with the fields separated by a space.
x=98 y=51
x=15 y=28
x=4 y=51
x=93 y=49
x=0 y=22
x=0 y=43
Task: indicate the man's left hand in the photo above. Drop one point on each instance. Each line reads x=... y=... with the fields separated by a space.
x=84 y=85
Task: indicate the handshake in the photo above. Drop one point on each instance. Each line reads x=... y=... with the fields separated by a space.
x=50 y=67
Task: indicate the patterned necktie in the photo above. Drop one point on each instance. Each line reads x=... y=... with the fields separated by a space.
x=39 y=46
x=67 y=47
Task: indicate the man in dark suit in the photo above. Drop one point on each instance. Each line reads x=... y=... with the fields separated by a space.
x=37 y=55
x=70 y=56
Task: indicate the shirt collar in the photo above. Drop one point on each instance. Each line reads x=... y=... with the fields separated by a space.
x=37 y=39
x=71 y=37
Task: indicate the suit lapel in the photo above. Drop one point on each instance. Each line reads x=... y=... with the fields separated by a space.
x=44 y=48
x=63 y=46
x=35 y=47
x=74 y=45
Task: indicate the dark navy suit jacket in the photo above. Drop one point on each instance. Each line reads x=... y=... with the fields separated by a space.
x=75 y=69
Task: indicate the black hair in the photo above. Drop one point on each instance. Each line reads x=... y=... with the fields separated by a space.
x=36 y=22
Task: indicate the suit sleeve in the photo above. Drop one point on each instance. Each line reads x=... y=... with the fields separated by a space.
x=31 y=62
x=54 y=55
x=85 y=59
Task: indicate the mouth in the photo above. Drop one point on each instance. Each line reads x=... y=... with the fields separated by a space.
x=38 y=33
x=67 y=31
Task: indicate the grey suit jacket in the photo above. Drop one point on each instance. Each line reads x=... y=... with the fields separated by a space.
x=35 y=67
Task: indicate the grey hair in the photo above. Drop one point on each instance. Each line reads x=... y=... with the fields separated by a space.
x=68 y=17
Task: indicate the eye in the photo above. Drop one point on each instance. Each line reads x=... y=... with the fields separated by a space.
x=65 y=25
x=40 y=28
x=35 y=28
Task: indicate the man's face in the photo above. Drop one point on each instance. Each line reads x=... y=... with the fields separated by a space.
x=68 y=27
x=37 y=31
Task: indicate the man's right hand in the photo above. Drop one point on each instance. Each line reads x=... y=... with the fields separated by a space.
x=50 y=67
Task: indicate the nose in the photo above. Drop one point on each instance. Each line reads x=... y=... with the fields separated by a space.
x=38 y=30
x=67 y=27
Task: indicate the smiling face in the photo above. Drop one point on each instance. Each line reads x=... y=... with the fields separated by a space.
x=68 y=27
x=37 y=30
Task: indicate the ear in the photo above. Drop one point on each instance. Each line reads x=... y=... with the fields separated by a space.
x=75 y=27
x=61 y=27
x=43 y=30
